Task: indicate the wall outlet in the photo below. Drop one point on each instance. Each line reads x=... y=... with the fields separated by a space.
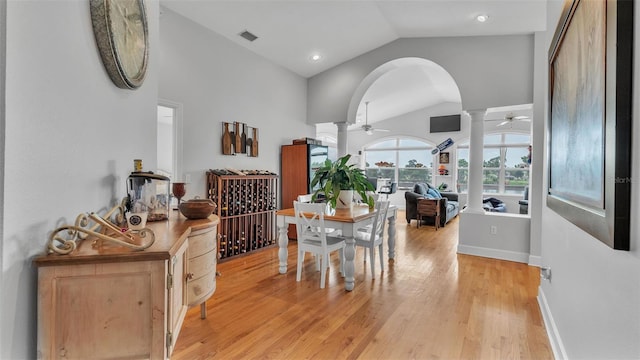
x=545 y=273
x=493 y=230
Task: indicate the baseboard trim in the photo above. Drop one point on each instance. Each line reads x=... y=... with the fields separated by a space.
x=552 y=330
x=493 y=253
x=535 y=260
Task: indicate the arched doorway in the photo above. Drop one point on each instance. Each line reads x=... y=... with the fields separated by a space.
x=403 y=85
x=398 y=87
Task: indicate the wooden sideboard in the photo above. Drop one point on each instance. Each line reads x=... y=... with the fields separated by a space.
x=107 y=301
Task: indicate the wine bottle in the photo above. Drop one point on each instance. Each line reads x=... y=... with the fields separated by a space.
x=226 y=140
x=243 y=139
x=254 y=143
x=238 y=138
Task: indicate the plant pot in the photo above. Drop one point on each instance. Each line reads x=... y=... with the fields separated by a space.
x=345 y=200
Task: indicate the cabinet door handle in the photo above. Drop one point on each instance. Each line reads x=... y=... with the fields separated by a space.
x=189 y=276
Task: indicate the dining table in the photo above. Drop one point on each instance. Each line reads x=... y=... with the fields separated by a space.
x=348 y=220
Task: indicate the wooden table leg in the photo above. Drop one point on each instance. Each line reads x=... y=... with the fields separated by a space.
x=391 y=237
x=283 y=242
x=349 y=266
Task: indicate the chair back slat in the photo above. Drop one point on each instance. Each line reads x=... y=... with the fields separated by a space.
x=377 y=227
x=310 y=222
x=380 y=219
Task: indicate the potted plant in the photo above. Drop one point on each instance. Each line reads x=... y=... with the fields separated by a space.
x=336 y=177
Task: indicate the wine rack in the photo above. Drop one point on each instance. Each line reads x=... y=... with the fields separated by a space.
x=246 y=207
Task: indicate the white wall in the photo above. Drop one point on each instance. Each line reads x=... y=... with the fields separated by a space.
x=412 y=125
x=71 y=137
x=3 y=46
x=217 y=81
x=490 y=71
x=594 y=294
x=509 y=242
x=538 y=144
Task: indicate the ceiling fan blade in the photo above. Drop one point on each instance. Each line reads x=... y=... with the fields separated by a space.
x=384 y=130
x=522 y=117
x=504 y=123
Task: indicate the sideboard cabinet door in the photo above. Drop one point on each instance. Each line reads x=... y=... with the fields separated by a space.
x=177 y=295
x=83 y=309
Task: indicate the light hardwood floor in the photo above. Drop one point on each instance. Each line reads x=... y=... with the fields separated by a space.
x=430 y=303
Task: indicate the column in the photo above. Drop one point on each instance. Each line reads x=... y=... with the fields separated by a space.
x=476 y=160
x=342 y=138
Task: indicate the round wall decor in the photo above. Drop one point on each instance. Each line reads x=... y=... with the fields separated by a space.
x=121 y=31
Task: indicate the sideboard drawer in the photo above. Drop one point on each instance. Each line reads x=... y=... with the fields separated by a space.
x=201 y=288
x=201 y=242
x=202 y=265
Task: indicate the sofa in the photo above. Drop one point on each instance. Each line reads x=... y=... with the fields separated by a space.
x=494 y=205
x=449 y=206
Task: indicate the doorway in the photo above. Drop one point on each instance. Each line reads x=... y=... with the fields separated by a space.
x=169 y=140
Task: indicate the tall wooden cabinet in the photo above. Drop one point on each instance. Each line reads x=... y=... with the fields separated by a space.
x=298 y=163
x=246 y=205
x=107 y=301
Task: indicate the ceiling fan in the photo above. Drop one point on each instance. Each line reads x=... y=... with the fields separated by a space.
x=368 y=129
x=509 y=118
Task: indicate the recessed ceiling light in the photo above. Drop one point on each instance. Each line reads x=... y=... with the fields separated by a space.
x=315 y=57
x=482 y=18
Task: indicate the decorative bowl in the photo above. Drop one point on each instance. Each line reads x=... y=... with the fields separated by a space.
x=197 y=208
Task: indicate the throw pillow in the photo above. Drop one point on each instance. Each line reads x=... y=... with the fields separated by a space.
x=420 y=188
x=434 y=193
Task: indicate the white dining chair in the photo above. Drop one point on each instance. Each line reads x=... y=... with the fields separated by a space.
x=371 y=238
x=313 y=238
x=375 y=197
x=306 y=198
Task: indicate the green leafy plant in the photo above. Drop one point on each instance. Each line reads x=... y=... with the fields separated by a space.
x=333 y=176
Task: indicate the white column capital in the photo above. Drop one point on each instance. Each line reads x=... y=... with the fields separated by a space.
x=477 y=115
x=341 y=125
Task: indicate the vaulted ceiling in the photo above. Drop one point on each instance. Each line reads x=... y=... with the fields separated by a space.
x=291 y=32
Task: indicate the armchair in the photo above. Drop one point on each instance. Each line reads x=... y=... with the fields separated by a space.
x=448 y=204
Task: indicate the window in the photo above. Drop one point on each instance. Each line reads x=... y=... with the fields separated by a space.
x=402 y=160
x=505 y=164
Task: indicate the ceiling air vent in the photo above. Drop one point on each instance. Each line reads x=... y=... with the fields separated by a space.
x=247 y=35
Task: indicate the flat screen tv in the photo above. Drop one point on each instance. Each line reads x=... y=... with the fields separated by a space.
x=444 y=123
